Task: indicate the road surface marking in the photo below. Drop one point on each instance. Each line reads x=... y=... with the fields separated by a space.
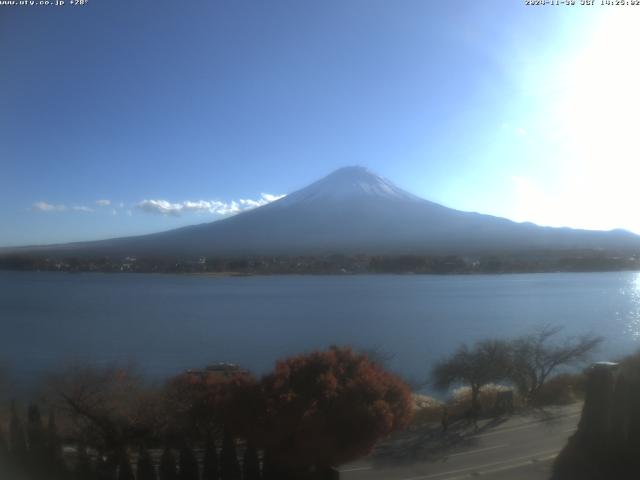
x=470 y=452
x=503 y=469
x=354 y=469
x=506 y=430
x=512 y=429
x=527 y=460
x=530 y=424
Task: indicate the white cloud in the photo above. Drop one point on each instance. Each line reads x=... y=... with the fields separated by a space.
x=47 y=207
x=208 y=206
x=82 y=208
x=167 y=208
x=271 y=198
x=160 y=206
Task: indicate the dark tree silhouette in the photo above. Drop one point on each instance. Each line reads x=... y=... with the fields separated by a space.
x=250 y=464
x=106 y=467
x=53 y=445
x=229 y=465
x=210 y=470
x=36 y=437
x=487 y=361
x=326 y=408
x=145 y=469
x=83 y=469
x=4 y=454
x=268 y=468
x=4 y=447
x=17 y=441
x=167 y=470
x=125 y=472
x=188 y=464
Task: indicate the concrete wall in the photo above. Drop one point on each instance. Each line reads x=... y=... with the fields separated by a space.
x=606 y=444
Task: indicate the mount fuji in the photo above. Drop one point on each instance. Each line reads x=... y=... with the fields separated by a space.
x=353 y=211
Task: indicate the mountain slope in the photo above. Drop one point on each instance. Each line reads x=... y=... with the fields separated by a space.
x=353 y=210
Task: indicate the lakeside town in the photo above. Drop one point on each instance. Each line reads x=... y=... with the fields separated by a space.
x=538 y=262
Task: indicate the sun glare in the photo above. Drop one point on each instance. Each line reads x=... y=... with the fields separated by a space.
x=633 y=314
x=584 y=141
x=598 y=120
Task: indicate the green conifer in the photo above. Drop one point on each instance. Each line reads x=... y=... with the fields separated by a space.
x=106 y=467
x=210 y=468
x=125 y=472
x=188 y=464
x=4 y=448
x=17 y=441
x=36 y=437
x=145 y=469
x=251 y=464
x=168 y=466
x=53 y=449
x=83 y=469
x=229 y=465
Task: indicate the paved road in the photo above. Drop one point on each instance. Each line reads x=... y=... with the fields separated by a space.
x=519 y=447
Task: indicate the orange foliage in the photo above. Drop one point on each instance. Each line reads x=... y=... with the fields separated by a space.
x=198 y=404
x=327 y=408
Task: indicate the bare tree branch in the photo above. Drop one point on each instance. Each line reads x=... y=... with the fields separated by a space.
x=536 y=356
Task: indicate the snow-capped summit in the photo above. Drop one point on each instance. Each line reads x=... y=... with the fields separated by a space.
x=347 y=183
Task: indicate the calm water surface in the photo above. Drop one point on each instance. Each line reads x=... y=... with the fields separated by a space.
x=165 y=323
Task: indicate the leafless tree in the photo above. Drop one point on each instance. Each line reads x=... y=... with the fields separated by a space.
x=109 y=406
x=537 y=355
x=485 y=362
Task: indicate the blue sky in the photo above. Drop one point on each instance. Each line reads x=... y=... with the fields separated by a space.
x=113 y=112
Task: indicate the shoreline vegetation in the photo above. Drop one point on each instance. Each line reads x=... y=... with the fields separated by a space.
x=334 y=264
x=336 y=405
x=313 y=412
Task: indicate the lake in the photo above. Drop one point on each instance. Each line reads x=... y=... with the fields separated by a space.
x=167 y=323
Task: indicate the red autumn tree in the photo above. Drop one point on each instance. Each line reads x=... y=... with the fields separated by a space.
x=326 y=408
x=203 y=402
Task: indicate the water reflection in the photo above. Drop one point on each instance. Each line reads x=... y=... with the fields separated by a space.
x=632 y=292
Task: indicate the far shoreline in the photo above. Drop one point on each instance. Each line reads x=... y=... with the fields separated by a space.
x=244 y=265
x=322 y=274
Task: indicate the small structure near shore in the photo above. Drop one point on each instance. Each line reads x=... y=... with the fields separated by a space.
x=216 y=371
